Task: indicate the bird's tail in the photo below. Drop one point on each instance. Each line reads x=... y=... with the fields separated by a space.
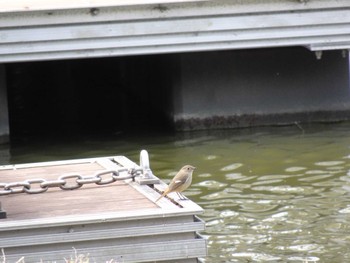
x=163 y=194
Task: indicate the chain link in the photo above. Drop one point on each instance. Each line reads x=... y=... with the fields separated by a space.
x=109 y=180
x=38 y=190
x=4 y=192
x=74 y=185
x=16 y=187
x=68 y=181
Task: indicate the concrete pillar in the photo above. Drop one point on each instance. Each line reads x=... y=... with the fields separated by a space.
x=260 y=87
x=4 y=118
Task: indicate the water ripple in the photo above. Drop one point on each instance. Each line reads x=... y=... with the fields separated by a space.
x=295 y=169
x=231 y=167
x=304 y=259
x=259 y=257
x=315 y=178
x=234 y=176
x=329 y=163
x=283 y=189
x=302 y=248
x=345 y=210
x=211 y=184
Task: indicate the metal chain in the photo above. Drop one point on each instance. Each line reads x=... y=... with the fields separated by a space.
x=68 y=181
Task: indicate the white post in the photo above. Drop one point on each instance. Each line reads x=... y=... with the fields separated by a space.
x=147 y=176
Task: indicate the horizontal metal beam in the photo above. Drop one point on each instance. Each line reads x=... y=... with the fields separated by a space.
x=100 y=234
x=137 y=252
x=37 y=5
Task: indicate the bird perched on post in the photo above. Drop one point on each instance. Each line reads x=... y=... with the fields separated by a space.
x=180 y=182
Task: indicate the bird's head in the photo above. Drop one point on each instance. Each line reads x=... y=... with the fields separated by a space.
x=188 y=168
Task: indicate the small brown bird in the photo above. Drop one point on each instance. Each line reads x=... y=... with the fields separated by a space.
x=180 y=182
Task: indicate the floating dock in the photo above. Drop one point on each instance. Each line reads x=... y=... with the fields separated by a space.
x=110 y=214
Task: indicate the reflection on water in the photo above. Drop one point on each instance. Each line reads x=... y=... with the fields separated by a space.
x=270 y=194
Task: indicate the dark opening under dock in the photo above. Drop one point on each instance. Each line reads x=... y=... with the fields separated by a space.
x=116 y=221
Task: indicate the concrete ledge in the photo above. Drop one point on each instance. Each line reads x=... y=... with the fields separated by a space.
x=251 y=120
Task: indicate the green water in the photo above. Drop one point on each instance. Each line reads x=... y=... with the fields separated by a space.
x=279 y=194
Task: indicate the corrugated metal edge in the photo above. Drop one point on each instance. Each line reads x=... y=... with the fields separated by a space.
x=227 y=6
x=190 y=248
x=302 y=25
x=113 y=232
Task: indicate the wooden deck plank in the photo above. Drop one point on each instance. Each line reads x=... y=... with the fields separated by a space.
x=88 y=200
x=49 y=172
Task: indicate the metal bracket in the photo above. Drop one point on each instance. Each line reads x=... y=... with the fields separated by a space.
x=318 y=54
x=147 y=176
x=2 y=213
x=345 y=52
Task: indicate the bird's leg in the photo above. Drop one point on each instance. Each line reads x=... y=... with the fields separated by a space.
x=184 y=197
x=178 y=194
x=181 y=196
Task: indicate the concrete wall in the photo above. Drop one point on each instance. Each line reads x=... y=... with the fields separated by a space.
x=257 y=87
x=4 y=121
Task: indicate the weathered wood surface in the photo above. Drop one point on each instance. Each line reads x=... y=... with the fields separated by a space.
x=89 y=199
